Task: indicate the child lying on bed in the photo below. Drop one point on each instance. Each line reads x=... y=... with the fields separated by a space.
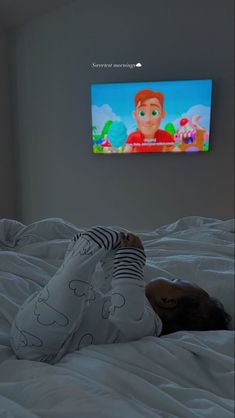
x=70 y=312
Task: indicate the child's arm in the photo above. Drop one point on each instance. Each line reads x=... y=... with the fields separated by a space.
x=127 y=309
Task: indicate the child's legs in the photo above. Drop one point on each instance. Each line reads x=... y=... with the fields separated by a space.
x=47 y=320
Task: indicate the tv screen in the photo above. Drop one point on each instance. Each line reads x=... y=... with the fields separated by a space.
x=158 y=116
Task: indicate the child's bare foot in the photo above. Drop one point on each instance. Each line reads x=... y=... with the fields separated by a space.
x=130 y=240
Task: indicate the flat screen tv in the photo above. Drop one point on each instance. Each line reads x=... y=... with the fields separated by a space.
x=158 y=116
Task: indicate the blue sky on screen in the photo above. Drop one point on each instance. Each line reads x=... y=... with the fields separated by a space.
x=115 y=101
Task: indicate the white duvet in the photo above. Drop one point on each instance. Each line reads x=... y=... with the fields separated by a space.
x=185 y=374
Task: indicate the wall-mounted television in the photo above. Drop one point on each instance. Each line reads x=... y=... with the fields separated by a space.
x=158 y=116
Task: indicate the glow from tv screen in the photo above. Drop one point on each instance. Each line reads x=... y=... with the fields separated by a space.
x=166 y=116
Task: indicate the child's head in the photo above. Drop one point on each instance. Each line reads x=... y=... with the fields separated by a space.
x=182 y=305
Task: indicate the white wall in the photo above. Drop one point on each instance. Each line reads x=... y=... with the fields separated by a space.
x=7 y=168
x=58 y=174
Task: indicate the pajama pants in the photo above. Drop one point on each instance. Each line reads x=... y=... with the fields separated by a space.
x=45 y=323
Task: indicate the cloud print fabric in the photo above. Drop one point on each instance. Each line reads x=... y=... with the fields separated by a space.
x=71 y=312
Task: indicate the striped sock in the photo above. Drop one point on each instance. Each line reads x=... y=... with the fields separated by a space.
x=129 y=263
x=104 y=237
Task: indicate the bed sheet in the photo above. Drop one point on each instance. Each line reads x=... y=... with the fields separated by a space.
x=185 y=374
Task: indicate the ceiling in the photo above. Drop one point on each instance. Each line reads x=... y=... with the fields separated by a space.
x=17 y=12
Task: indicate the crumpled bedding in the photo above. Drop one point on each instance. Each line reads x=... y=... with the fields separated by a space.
x=185 y=374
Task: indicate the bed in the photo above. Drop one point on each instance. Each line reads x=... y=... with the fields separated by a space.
x=184 y=374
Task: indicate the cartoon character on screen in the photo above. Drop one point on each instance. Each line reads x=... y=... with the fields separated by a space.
x=148 y=114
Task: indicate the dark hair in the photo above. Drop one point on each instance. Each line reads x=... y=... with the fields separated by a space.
x=194 y=314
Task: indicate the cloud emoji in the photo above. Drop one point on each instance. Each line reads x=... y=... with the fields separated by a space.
x=138 y=64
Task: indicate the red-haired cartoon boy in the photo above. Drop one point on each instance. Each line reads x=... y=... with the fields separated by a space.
x=148 y=114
